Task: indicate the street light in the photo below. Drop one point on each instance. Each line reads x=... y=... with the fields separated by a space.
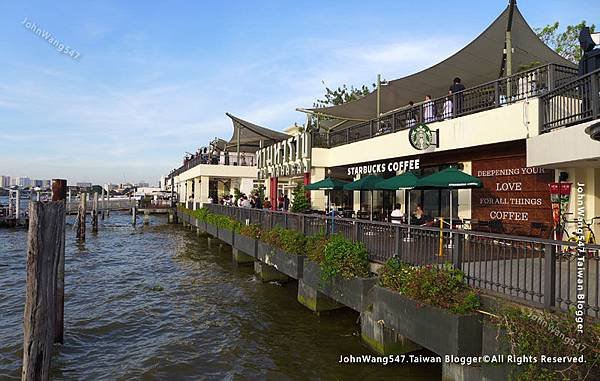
x=379 y=84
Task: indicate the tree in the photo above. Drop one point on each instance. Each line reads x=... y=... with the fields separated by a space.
x=300 y=203
x=341 y=95
x=565 y=43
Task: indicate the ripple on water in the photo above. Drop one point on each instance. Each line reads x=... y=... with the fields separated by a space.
x=155 y=302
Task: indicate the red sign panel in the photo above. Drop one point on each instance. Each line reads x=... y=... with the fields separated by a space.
x=514 y=194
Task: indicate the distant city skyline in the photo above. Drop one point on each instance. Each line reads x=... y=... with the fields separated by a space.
x=28 y=181
x=148 y=83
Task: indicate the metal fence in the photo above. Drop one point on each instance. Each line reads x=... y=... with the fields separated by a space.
x=576 y=102
x=498 y=93
x=541 y=272
x=113 y=204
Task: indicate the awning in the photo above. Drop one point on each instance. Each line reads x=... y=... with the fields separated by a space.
x=250 y=135
x=477 y=63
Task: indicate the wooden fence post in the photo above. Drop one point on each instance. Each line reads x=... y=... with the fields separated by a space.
x=81 y=216
x=59 y=193
x=95 y=213
x=46 y=232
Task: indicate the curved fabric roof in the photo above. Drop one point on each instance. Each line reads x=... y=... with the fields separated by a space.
x=477 y=63
x=251 y=135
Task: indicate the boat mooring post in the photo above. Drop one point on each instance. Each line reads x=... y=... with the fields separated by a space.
x=81 y=214
x=134 y=215
x=45 y=246
x=59 y=193
x=95 y=213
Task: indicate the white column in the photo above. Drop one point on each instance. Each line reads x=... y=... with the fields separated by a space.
x=204 y=189
x=464 y=195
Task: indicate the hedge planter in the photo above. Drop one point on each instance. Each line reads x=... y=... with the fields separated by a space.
x=354 y=293
x=225 y=235
x=289 y=264
x=211 y=229
x=436 y=329
x=246 y=245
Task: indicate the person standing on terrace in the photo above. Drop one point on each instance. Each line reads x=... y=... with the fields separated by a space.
x=428 y=110
x=447 y=112
x=457 y=88
x=411 y=115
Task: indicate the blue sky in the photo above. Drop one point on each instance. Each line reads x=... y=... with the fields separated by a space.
x=155 y=78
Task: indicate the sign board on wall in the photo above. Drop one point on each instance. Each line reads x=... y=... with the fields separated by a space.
x=384 y=166
x=290 y=157
x=513 y=193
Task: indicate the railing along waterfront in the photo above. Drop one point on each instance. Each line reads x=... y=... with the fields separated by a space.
x=575 y=102
x=216 y=160
x=537 y=271
x=112 y=204
x=498 y=93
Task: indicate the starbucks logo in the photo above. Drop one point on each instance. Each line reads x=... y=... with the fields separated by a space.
x=420 y=137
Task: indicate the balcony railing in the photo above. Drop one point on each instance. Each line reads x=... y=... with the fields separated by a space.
x=498 y=93
x=245 y=161
x=575 y=102
x=537 y=271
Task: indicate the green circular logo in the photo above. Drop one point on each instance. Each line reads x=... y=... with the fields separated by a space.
x=420 y=137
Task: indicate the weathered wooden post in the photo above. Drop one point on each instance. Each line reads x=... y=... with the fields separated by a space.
x=81 y=217
x=103 y=204
x=146 y=217
x=134 y=215
x=59 y=193
x=95 y=213
x=45 y=244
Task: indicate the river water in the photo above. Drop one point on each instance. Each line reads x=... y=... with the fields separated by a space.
x=155 y=302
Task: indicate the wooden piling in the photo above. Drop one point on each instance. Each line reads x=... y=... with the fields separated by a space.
x=95 y=213
x=45 y=244
x=103 y=203
x=59 y=193
x=81 y=214
x=134 y=215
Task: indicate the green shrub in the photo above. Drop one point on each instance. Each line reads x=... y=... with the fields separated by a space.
x=290 y=241
x=251 y=231
x=442 y=287
x=271 y=237
x=315 y=247
x=532 y=333
x=344 y=258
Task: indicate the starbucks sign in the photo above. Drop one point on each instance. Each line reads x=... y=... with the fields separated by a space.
x=421 y=137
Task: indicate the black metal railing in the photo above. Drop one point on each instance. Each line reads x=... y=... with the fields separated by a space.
x=245 y=161
x=498 y=93
x=575 y=102
x=540 y=272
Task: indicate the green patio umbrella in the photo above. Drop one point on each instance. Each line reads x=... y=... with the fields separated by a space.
x=449 y=178
x=405 y=181
x=327 y=184
x=366 y=183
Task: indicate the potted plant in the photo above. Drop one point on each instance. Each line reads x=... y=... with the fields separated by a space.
x=430 y=305
x=339 y=268
x=284 y=249
x=247 y=239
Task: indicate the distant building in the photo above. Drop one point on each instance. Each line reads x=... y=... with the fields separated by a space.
x=23 y=182
x=5 y=181
x=38 y=183
x=46 y=184
x=83 y=186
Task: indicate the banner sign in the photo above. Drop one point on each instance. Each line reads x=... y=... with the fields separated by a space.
x=560 y=194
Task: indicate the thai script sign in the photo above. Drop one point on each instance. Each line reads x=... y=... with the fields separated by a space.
x=290 y=157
